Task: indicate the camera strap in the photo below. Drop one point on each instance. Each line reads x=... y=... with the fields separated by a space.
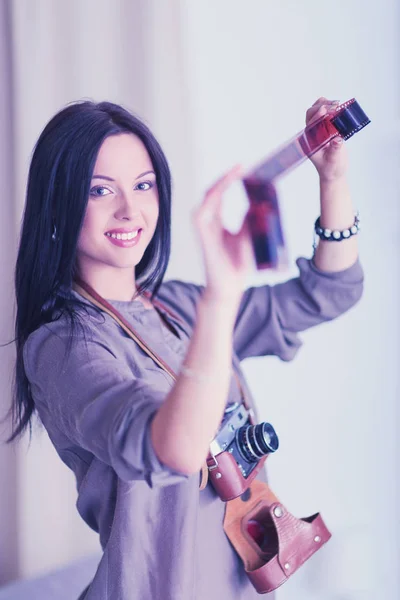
x=93 y=297
x=270 y=541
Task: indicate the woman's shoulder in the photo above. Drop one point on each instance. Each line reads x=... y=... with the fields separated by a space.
x=64 y=331
x=181 y=297
x=91 y=325
x=176 y=288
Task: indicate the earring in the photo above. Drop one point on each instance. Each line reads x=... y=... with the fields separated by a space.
x=54 y=236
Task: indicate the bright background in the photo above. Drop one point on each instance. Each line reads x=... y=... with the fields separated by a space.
x=221 y=82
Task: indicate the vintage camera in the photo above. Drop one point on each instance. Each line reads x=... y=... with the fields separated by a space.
x=238 y=452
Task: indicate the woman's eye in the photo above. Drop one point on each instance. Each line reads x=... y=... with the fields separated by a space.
x=99 y=191
x=144 y=186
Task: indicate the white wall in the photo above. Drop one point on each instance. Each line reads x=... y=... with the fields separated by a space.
x=8 y=461
x=253 y=68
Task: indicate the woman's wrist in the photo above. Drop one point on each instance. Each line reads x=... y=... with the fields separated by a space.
x=337 y=211
x=332 y=180
x=223 y=298
x=221 y=303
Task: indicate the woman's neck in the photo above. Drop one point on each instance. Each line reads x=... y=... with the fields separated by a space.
x=109 y=282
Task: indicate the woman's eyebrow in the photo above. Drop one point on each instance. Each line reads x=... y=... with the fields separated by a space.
x=111 y=179
x=145 y=173
x=103 y=177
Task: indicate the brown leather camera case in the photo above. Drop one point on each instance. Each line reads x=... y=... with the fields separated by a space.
x=290 y=541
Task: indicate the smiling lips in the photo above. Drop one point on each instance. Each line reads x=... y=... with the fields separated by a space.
x=124 y=238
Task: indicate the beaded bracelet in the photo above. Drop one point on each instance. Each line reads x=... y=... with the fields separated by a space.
x=329 y=235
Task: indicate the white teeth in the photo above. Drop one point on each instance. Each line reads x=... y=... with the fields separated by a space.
x=123 y=236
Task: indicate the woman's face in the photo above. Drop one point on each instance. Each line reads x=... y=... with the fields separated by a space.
x=123 y=208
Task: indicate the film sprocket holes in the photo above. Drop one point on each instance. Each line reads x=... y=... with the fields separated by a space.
x=238 y=451
x=263 y=217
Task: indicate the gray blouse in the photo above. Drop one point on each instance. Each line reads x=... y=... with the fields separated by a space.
x=162 y=538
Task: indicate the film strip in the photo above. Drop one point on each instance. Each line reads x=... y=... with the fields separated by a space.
x=263 y=216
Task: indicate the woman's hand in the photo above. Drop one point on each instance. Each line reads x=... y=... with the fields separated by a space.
x=331 y=160
x=337 y=212
x=227 y=257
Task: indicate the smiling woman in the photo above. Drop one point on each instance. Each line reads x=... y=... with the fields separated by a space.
x=132 y=376
x=122 y=213
x=64 y=224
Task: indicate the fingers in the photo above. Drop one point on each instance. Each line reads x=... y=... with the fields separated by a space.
x=334 y=145
x=244 y=237
x=223 y=182
x=320 y=101
x=210 y=209
x=319 y=109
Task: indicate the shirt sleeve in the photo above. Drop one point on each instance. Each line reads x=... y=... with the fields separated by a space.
x=96 y=402
x=270 y=317
x=182 y=298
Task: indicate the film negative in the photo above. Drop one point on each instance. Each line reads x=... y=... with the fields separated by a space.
x=263 y=216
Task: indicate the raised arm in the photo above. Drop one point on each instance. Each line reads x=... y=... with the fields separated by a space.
x=328 y=285
x=337 y=212
x=187 y=421
x=268 y=318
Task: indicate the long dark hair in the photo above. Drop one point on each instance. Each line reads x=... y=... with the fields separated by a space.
x=57 y=194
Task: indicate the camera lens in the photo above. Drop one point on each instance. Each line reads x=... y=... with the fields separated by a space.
x=254 y=441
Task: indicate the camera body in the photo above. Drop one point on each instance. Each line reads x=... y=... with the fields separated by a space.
x=238 y=452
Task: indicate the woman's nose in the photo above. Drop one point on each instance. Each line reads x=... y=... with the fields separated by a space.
x=127 y=207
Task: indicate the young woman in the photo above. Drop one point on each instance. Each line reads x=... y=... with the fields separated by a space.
x=98 y=214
